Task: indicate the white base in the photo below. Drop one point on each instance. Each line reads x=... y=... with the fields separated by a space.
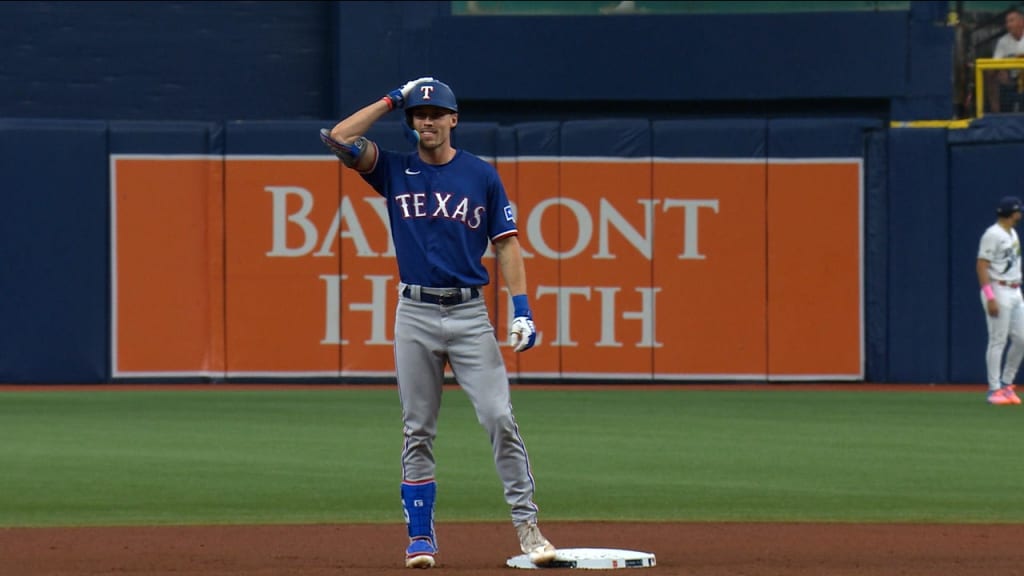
x=589 y=559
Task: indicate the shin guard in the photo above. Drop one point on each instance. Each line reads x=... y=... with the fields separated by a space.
x=418 y=504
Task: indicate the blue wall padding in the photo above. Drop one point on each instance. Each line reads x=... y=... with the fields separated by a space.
x=918 y=267
x=480 y=138
x=927 y=93
x=380 y=46
x=979 y=175
x=166 y=60
x=248 y=138
x=706 y=138
x=818 y=137
x=993 y=128
x=223 y=61
x=142 y=137
x=56 y=262
x=630 y=138
x=539 y=138
x=876 y=257
x=657 y=57
x=505 y=142
x=930 y=11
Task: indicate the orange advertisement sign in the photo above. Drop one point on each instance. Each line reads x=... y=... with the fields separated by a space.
x=167 y=270
x=638 y=269
x=710 y=269
x=815 y=280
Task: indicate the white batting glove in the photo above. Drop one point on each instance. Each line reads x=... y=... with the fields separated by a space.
x=408 y=86
x=398 y=96
x=522 y=334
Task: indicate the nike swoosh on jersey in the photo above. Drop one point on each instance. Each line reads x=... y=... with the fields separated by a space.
x=411 y=173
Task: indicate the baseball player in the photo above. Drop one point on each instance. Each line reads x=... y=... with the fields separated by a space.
x=999 y=273
x=444 y=206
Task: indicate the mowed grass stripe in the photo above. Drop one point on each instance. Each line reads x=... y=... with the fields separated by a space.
x=332 y=455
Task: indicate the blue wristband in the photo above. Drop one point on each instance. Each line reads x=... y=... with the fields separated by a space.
x=521 y=305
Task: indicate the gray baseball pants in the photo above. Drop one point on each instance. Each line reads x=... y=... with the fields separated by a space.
x=428 y=336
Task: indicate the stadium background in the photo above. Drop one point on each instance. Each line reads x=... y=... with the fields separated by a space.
x=84 y=83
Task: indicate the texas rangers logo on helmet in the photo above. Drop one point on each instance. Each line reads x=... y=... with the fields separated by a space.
x=426 y=90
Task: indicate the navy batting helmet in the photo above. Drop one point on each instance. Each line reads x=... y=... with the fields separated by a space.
x=432 y=93
x=1008 y=205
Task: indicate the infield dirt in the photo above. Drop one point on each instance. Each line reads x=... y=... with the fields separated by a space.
x=691 y=549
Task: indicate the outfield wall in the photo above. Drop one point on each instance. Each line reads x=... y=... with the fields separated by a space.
x=301 y=60
x=688 y=250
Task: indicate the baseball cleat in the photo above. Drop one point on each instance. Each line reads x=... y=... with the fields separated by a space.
x=1008 y=391
x=420 y=554
x=999 y=398
x=534 y=544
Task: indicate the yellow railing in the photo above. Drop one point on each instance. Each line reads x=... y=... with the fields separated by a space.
x=983 y=64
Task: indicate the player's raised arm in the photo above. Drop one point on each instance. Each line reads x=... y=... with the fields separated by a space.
x=347 y=139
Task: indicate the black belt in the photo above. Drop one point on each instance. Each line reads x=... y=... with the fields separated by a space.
x=447 y=298
x=1010 y=284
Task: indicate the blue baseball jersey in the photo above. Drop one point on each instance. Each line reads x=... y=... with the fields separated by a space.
x=442 y=217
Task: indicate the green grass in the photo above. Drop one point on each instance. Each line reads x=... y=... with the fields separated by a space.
x=128 y=457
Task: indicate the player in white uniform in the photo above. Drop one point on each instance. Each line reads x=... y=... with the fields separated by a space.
x=999 y=273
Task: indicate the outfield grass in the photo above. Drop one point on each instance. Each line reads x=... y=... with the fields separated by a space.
x=126 y=457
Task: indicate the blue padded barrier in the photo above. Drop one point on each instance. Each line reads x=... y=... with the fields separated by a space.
x=992 y=128
x=630 y=138
x=480 y=138
x=706 y=138
x=539 y=138
x=819 y=137
x=929 y=60
x=54 y=232
x=876 y=257
x=918 y=252
x=656 y=58
x=142 y=137
x=505 y=142
x=167 y=60
x=277 y=138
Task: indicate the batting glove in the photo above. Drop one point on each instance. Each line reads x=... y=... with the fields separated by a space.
x=397 y=97
x=522 y=334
